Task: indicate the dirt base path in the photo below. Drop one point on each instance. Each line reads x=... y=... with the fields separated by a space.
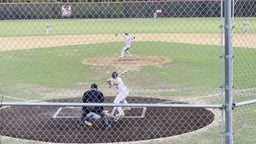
x=20 y=43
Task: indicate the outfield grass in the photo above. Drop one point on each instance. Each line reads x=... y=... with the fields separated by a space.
x=111 y=26
x=193 y=70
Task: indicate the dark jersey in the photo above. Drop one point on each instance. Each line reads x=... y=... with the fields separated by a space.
x=93 y=96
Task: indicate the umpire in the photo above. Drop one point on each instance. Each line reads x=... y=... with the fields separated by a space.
x=93 y=96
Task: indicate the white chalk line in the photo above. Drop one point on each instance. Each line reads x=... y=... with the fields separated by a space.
x=77 y=115
x=17 y=98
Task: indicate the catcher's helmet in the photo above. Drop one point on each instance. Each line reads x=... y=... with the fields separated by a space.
x=114 y=74
x=94 y=86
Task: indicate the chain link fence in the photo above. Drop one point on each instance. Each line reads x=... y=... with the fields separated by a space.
x=244 y=85
x=174 y=70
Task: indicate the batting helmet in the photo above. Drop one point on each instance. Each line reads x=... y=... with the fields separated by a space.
x=94 y=86
x=126 y=33
x=114 y=74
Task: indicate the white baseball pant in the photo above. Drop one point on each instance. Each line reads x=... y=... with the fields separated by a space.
x=125 y=49
x=120 y=98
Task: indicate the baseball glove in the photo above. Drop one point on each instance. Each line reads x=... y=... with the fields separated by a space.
x=116 y=34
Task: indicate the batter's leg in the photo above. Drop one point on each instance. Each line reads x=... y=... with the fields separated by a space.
x=129 y=53
x=123 y=95
x=125 y=108
x=113 y=111
x=120 y=96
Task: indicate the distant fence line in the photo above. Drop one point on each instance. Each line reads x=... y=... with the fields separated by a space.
x=21 y=11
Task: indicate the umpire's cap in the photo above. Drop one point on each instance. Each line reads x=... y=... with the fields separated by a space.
x=94 y=86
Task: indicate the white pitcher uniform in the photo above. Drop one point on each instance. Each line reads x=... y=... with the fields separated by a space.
x=128 y=41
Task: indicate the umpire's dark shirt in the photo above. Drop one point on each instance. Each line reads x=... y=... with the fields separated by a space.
x=93 y=96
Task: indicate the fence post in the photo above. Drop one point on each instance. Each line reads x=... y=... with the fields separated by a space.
x=228 y=72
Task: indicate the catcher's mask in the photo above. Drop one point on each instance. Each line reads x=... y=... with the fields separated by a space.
x=114 y=74
x=94 y=86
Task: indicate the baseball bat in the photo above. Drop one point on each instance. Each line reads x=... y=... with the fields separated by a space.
x=124 y=72
x=120 y=74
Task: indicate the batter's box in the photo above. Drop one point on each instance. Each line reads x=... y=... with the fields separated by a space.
x=75 y=112
x=135 y=112
x=68 y=112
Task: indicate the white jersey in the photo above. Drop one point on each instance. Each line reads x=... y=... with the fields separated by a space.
x=246 y=24
x=128 y=40
x=121 y=87
x=48 y=25
x=123 y=92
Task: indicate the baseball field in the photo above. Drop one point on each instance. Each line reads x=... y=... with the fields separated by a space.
x=173 y=58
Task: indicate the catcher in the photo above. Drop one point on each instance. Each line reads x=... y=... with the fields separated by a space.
x=123 y=92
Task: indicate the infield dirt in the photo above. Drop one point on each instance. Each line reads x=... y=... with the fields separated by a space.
x=19 y=43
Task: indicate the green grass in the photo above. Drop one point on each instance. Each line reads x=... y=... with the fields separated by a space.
x=111 y=26
x=61 y=67
x=193 y=69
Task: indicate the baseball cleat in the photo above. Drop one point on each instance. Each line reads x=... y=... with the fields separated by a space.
x=87 y=123
x=126 y=108
x=115 y=119
x=120 y=115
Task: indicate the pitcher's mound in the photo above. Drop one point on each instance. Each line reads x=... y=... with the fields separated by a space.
x=128 y=62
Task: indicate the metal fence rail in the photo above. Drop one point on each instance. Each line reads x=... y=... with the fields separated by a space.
x=58 y=104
